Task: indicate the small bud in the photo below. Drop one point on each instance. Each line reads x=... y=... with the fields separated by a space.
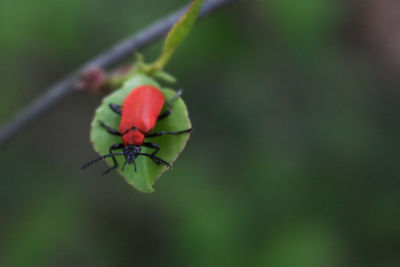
x=93 y=80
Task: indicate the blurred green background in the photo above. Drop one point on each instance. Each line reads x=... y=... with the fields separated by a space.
x=294 y=160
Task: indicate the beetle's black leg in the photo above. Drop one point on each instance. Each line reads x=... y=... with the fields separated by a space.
x=169 y=103
x=109 y=129
x=152 y=145
x=115 y=108
x=113 y=147
x=156 y=134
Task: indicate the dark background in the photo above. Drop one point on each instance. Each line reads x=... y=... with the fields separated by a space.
x=294 y=160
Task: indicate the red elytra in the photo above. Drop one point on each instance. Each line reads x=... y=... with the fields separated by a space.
x=140 y=111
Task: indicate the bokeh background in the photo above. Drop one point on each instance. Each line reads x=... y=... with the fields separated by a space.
x=294 y=160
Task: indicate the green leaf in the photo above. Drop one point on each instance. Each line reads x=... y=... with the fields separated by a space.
x=178 y=33
x=163 y=76
x=171 y=145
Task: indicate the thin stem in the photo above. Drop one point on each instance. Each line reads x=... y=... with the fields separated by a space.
x=120 y=50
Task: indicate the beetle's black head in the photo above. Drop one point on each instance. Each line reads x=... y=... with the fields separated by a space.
x=130 y=153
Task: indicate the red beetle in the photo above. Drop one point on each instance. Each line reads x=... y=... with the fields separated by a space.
x=139 y=114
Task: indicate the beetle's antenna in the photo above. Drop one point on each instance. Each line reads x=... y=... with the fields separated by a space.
x=157 y=160
x=90 y=163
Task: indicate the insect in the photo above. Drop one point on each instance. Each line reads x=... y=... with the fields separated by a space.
x=139 y=113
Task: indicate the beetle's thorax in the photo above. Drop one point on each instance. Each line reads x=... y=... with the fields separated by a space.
x=133 y=137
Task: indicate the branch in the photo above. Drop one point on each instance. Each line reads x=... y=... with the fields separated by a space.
x=124 y=48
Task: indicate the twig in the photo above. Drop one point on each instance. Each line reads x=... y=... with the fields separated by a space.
x=126 y=47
